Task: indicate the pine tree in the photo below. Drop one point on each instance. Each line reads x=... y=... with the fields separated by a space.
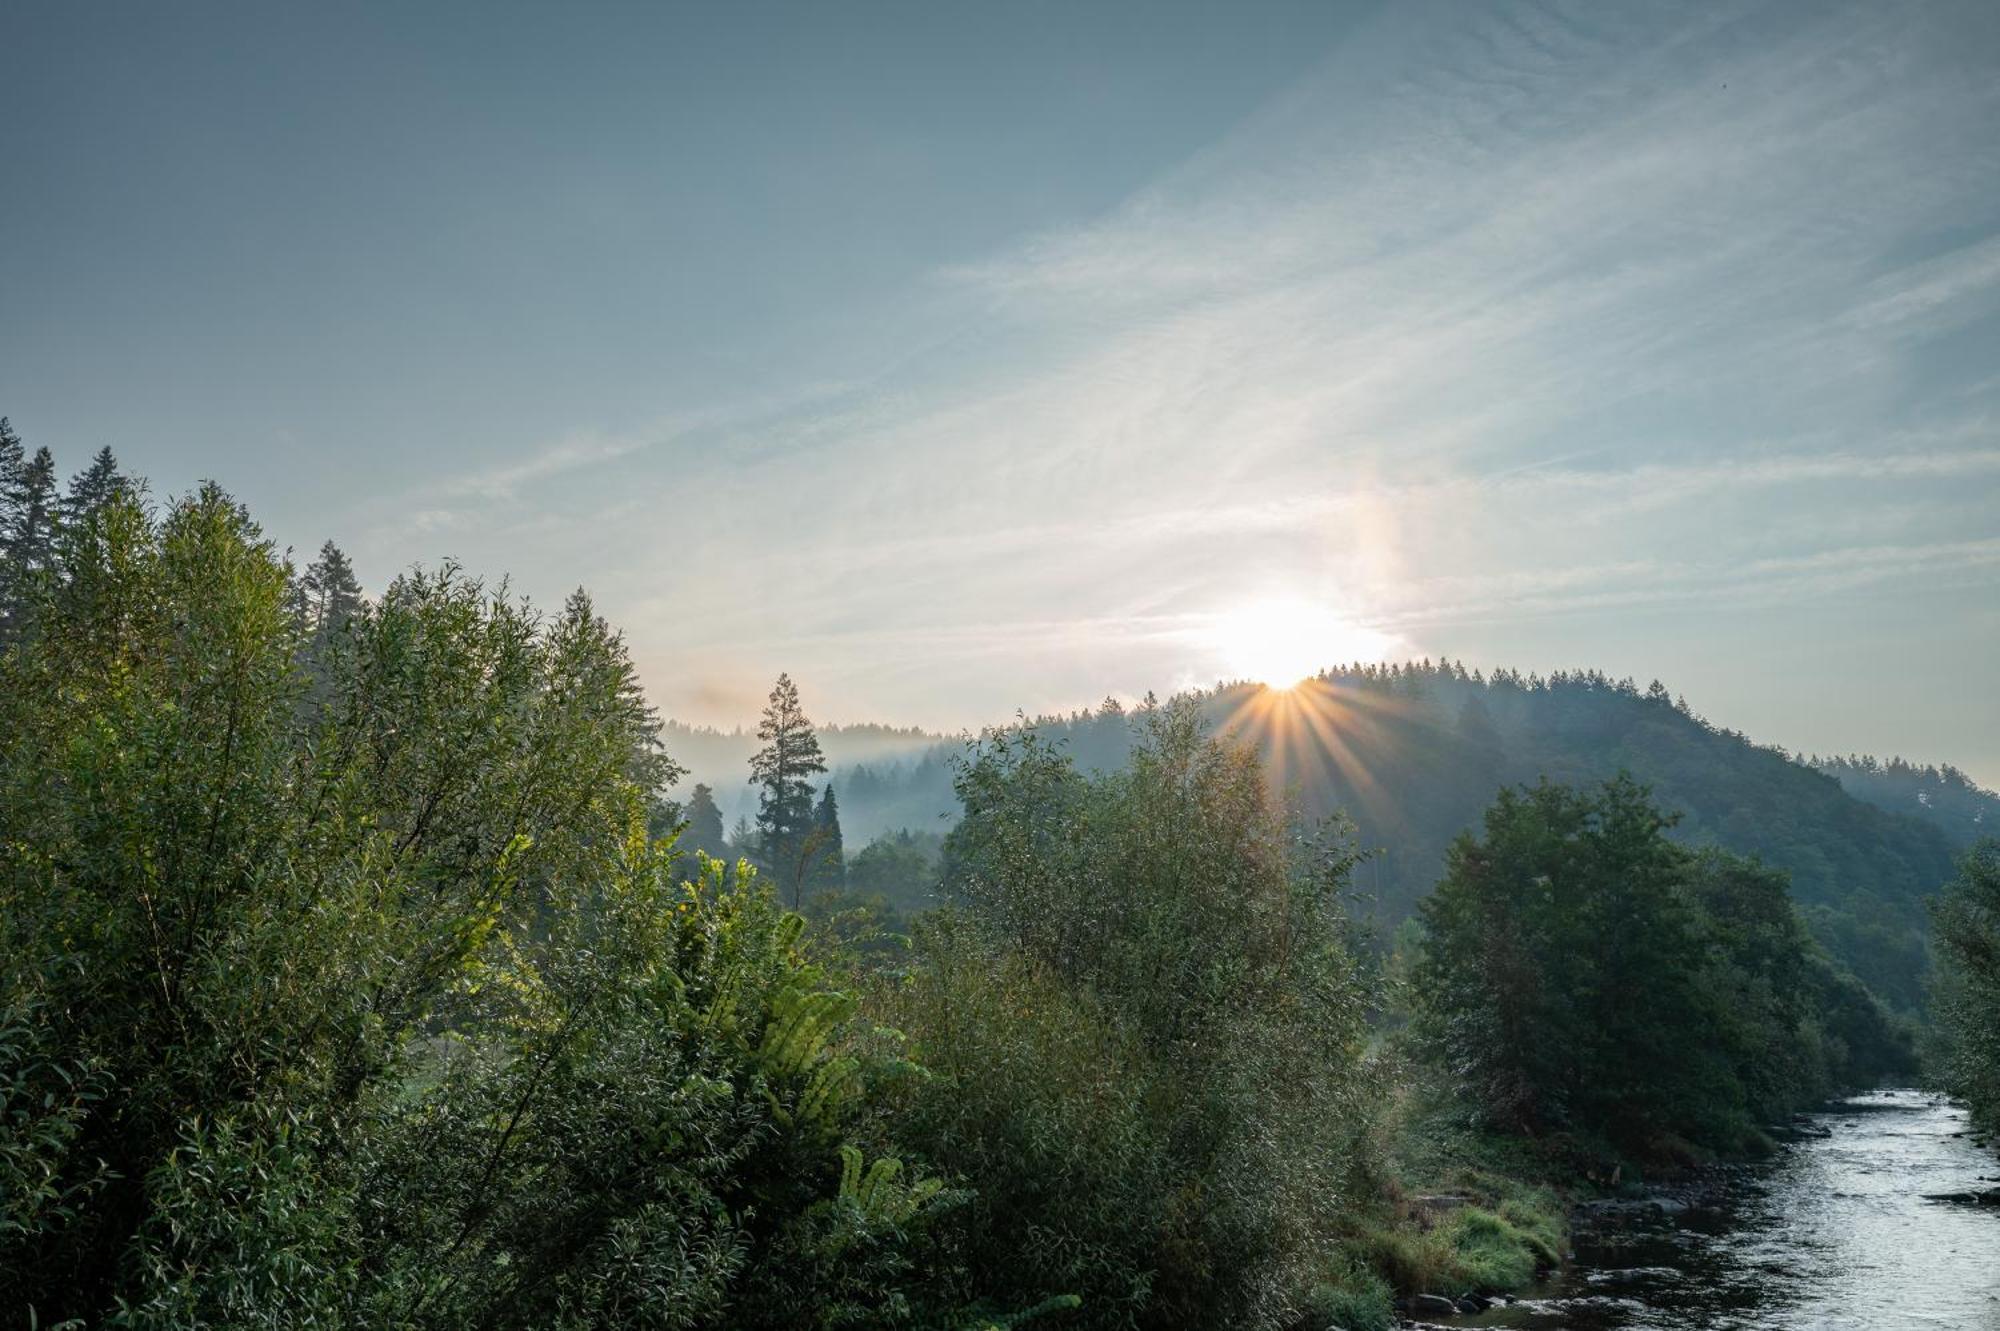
x=28 y=518
x=785 y=806
x=28 y=509
x=703 y=830
x=743 y=842
x=92 y=488
x=12 y=458
x=13 y=465
x=333 y=595
x=828 y=855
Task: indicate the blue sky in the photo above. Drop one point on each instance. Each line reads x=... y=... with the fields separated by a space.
x=961 y=359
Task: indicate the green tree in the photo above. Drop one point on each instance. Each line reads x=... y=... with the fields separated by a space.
x=827 y=855
x=1142 y=1029
x=785 y=804
x=332 y=592
x=901 y=867
x=1967 y=981
x=29 y=516
x=31 y=513
x=1583 y=973
x=13 y=589
x=743 y=840
x=92 y=488
x=704 y=826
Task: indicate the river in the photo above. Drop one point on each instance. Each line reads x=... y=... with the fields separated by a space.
x=1833 y=1233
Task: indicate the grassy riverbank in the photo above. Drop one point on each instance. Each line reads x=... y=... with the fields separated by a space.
x=1456 y=1214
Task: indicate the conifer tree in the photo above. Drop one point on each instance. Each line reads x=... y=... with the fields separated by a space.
x=743 y=841
x=12 y=460
x=28 y=517
x=703 y=831
x=93 y=487
x=828 y=855
x=785 y=806
x=33 y=541
x=12 y=466
x=333 y=595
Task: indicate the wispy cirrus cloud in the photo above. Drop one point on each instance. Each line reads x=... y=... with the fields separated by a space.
x=1525 y=311
x=575 y=451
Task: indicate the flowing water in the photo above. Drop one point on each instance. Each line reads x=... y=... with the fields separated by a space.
x=1834 y=1233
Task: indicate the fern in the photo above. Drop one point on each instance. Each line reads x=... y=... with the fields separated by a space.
x=1007 y=1321
x=877 y=1192
x=802 y=1024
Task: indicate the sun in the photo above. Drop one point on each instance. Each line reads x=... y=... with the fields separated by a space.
x=1281 y=641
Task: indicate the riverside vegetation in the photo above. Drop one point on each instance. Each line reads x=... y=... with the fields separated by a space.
x=357 y=972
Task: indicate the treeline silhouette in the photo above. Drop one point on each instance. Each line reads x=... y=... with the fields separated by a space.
x=1943 y=796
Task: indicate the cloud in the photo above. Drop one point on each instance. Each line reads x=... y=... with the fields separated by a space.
x=1714 y=583
x=1501 y=312
x=579 y=449
x=1949 y=286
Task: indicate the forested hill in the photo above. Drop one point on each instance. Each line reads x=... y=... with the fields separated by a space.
x=1414 y=754
x=1944 y=796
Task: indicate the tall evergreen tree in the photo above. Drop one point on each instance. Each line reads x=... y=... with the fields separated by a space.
x=93 y=487
x=785 y=806
x=827 y=869
x=36 y=510
x=744 y=844
x=28 y=519
x=703 y=830
x=13 y=465
x=12 y=457
x=333 y=594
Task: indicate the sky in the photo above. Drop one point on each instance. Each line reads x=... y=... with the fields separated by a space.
x=971 y=359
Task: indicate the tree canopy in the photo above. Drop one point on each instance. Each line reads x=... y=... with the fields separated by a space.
x=1583 y=973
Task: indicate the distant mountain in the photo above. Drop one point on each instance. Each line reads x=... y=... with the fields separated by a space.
x=1414 y=754
x=1943 y=796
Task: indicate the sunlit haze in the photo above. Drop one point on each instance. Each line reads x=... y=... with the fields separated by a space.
x=964 y=360
x=1280 y=642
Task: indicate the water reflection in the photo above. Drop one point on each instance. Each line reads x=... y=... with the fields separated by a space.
x=1833 y=1234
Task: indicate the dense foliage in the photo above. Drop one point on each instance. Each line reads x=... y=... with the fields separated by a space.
x=1581 y=973
x=1142 y=1031
x=1968 y=982
x=903 y=868
x=349 y=990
